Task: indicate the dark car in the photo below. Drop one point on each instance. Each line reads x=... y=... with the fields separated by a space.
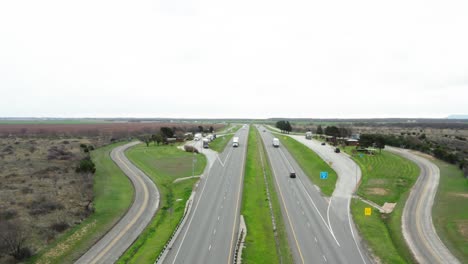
x=292 y=174
x=323 y=143
x=337 y=150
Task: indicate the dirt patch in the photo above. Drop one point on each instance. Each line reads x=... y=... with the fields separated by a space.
x=463 y=228
x=464 y=195
x=376 y=191
x=378 y=181
x=388 y=207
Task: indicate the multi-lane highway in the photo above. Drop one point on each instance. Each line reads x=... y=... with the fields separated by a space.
x=210 y=232
x=318 y=233
x=418 y=229
x=146 y=201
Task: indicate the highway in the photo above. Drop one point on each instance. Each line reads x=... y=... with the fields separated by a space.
x=418 y=229
x=146 y=201
x=317 y=231
x=210 y=233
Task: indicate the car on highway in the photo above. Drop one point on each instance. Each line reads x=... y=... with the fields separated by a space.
x=337 y=150
x=292 y=174
x=323 y=144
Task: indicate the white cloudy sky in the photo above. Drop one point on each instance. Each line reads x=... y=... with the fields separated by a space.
x=244 y=58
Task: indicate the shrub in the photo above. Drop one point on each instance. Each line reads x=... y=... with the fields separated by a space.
x=8 y=214
x=86 y=165
x=60 y=226
x=189 y=148
x=43 y=206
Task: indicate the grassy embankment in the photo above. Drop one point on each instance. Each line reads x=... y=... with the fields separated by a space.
x=386 y=177
x=450 y=212
x=113 y=195
x=220 y=143
x=311 y=164
x=261 y=238
x=163 y=164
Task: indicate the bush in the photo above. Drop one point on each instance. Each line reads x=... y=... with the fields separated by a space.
x=43 y=206
x=60 y=226
x=8 y=214
x=86 y=165
x=189 y=148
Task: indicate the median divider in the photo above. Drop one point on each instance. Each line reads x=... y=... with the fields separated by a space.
x=240 y=241
x=175 y=234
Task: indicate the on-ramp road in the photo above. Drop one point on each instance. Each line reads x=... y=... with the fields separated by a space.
x=317 y=232
x=418 y=229
x=210 y=233
x=146 y=201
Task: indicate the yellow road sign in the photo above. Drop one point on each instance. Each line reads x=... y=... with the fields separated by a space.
x=367 y=211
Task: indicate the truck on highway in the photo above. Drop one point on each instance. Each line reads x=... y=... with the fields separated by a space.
x=197 y=136
x=308 y=135
x=206 y=143
x=275 y=142
x=235 y=142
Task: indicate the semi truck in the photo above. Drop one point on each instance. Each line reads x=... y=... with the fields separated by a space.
x=235 y=142
x=197 y=136
x=308 y=135
x=275 y=142
x=206 y=143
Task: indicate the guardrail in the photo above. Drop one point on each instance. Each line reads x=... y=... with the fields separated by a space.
x=240 y=241
x=176 y=232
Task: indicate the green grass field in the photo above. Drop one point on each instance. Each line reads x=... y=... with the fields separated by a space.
x=386 y=177
x=163 y=164
x=450 y=212
x=311 y=164
x=113 y=195
x=375 y=232
x=260 y=241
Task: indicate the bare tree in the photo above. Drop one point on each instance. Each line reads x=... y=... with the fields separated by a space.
x=13 y=237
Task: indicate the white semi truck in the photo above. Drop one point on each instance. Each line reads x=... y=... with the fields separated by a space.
x=235 y=142
x=206 y=143
x=197 y=136
x=308 y=135
x=275 y=142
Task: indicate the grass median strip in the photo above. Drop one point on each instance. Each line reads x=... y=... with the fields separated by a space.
x=311 y=164
x=386 y=177
x=113 y=195
x=163 y=164
x=220 y=143
x=450 y=213
x=261 y=237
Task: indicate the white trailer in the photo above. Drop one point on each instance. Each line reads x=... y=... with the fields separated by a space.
x=235 y=142
x=197 y=137
x=275 y=142
x=308 y=135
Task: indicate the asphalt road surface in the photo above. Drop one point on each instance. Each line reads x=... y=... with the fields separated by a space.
x=317 y=231
x=146 y=201
x=210 y=233
x=418 y=229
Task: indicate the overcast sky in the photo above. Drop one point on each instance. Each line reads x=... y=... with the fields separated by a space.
x=244 y=58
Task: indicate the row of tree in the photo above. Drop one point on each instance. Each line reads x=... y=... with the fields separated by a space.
x=284 y=126
x=333 y=131
x=167 y=132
